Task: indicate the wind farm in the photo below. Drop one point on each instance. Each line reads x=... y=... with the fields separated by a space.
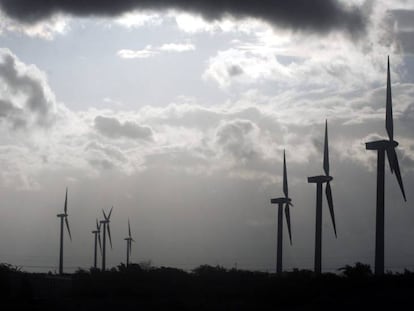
x=383 y=148
x=359 y=274
x=102 y=232
x=206 y=155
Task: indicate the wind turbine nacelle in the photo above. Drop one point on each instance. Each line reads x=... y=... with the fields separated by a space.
x=381 y=144
x=319 y=179
x=280 y=200
x=61 y=215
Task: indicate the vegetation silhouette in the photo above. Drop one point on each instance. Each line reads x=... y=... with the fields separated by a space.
x=204 y=288
x=360 y=270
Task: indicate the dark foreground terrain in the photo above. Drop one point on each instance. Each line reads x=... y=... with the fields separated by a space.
x=205 y=288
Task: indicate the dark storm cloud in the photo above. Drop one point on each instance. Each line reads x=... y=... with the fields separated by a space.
x=113 y=128
x=317 y=15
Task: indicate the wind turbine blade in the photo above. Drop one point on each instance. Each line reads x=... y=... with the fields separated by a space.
x=285 y=182
x=394 y=161
x=130 y=247
x=67 y=226
x=287 y=214
x=110 y=212
x=326 y=151
x=98 y=226
x=66 y=201
x=109 y=234
x=388 y=114
x=390 y=161
x=129 y=229
x=330 y=204
x=105 y=217
x=100 y=244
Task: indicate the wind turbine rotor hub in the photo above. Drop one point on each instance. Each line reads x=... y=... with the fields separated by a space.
x=320 y=179
x=283 y=200
x=381 y=144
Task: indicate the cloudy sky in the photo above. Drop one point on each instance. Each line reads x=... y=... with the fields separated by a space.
x=177 y=114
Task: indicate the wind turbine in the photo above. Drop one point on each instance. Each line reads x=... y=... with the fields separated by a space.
x=382 y=147
x=319 y=181
x=106 y=227
x=129 y=241
x=63 y=217
x=282 y=201
x=97 y=234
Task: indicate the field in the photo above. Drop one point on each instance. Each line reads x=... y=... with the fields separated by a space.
x=205 y=288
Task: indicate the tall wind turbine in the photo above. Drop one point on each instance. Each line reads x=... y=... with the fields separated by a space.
x=97 y=234
x=129 y=241
x=63 y=218
x=382 y=147
x=319 y=181
x=282 y=201
x=106 y=227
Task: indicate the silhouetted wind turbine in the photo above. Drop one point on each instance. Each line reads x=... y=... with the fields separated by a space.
x=97 y=234
x=63 y=217
x=319 y=180
x=283 y=201
x=383 y=146
x=106 y=227
x=129 y=241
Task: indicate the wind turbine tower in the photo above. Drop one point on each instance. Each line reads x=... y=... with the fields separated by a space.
x=282 y=202
x=382 y=147
x=319 y=181
x=63 y=218
x=129 y=241
x=97 y=234
x=106 y=227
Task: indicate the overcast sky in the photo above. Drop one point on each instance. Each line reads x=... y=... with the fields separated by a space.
x=177 y=114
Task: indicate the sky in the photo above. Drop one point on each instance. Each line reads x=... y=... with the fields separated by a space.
x=177 y=114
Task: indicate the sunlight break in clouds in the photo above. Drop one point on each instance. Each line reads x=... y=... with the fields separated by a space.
x=150 y=51
x=139 y=19
x=131 y=54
